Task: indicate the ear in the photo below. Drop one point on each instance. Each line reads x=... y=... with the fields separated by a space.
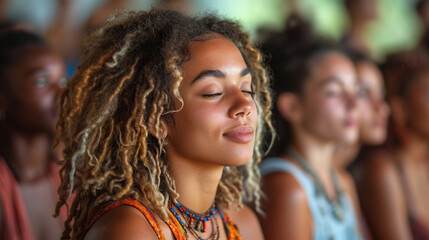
x=160 y=132
x=397 y=107
x=289 y=107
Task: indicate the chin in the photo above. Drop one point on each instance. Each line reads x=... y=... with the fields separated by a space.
x=374 y=137
x=238 y=160
x=350 y=137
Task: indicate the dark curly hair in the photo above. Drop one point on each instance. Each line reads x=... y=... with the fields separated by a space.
x=292 y=55
x=129 y=75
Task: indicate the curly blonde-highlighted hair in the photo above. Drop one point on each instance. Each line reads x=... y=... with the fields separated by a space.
x=126 y=82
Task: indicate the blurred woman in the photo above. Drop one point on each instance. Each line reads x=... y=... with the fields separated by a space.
x=161 y=126
x=315 y=84
x=31 y=76
x=372 y=119
x=393 y=184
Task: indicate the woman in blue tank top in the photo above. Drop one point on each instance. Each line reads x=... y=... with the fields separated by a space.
x=315 y=96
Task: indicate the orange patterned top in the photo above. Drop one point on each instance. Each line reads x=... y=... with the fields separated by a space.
x=177 y=230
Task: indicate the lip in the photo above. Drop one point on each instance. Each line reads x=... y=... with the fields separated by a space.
x=240 y=134
x=350 y=122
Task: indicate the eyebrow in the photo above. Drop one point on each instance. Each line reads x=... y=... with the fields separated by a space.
x=334 y=80
x=217 y=74
x=330 y=80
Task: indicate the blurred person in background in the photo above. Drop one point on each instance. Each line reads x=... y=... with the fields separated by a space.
x=393 y=184
x=31 y=76
x=315 y=108
x=372 y=119
x=361 y=13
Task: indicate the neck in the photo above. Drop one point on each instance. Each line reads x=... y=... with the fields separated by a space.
x=345 y=154
x=196 y=182
x=316 y=152
x=27 y=156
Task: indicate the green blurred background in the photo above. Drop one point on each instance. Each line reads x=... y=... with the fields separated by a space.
x=397 y=26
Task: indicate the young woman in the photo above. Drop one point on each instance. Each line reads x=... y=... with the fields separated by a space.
x=315 y=83
x=394 y=184
x=161 y=126
x=31 y=76
x=373 y=112
x=372 y=121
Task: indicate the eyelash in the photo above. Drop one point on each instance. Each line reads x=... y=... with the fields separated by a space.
x=251 y=93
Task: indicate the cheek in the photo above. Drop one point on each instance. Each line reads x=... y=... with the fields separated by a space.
x=332 y=110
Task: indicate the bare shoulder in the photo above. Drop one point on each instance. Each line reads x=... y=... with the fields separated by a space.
x=246 y=221
x=285 y=185
x=124 y=222
x=287 y=215
x=378 y=168
x=382 y=196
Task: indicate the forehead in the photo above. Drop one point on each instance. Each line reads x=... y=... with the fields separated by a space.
x=214 y=53
x=333 y=64
x=368 y=73
x=31 y=60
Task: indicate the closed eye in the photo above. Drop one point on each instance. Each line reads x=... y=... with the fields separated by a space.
x=251 y=93
x=212 y=95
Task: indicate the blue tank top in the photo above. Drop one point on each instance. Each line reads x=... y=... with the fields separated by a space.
x=325 y=225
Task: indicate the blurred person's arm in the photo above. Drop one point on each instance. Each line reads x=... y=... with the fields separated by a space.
x=287 y=215
x=383 y=199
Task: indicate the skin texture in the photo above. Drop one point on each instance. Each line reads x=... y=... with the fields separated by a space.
x=373 y=110
x=382 y=197
x=33 y=85
x=393 y=184
x=29 y=102
x=198 y=147
x=324 y=114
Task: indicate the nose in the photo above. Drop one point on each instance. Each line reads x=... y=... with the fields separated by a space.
x=382 y=107
x=350 y=100
x=241 y=104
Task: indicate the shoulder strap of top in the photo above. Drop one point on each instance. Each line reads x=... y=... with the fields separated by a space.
x=271 y=165
x=231 y=229
x=128 y=202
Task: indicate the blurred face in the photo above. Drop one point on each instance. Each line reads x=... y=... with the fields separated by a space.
x=218 y=120
x=417 y=105
x=329 y=100
x=372 y=108
x=365 y=10
x=33 y=85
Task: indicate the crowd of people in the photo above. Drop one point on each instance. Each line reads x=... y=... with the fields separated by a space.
x=175 y=126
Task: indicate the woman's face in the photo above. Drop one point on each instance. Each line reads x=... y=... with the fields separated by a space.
x=33 y=85
x=328 y=101
x=417 y=105
x=372 y=108
x=217 y=123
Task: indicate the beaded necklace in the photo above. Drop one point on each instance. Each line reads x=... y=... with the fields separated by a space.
x=337 y=207
x=196 y=222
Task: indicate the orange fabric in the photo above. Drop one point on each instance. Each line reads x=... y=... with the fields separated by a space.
x=231 y=229
x=130 y=202
x=16 y=225
x=174 y=225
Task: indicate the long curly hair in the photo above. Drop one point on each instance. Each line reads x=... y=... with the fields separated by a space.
x=128 y=77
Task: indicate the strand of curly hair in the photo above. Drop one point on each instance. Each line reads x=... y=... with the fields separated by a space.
x=125 y=84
